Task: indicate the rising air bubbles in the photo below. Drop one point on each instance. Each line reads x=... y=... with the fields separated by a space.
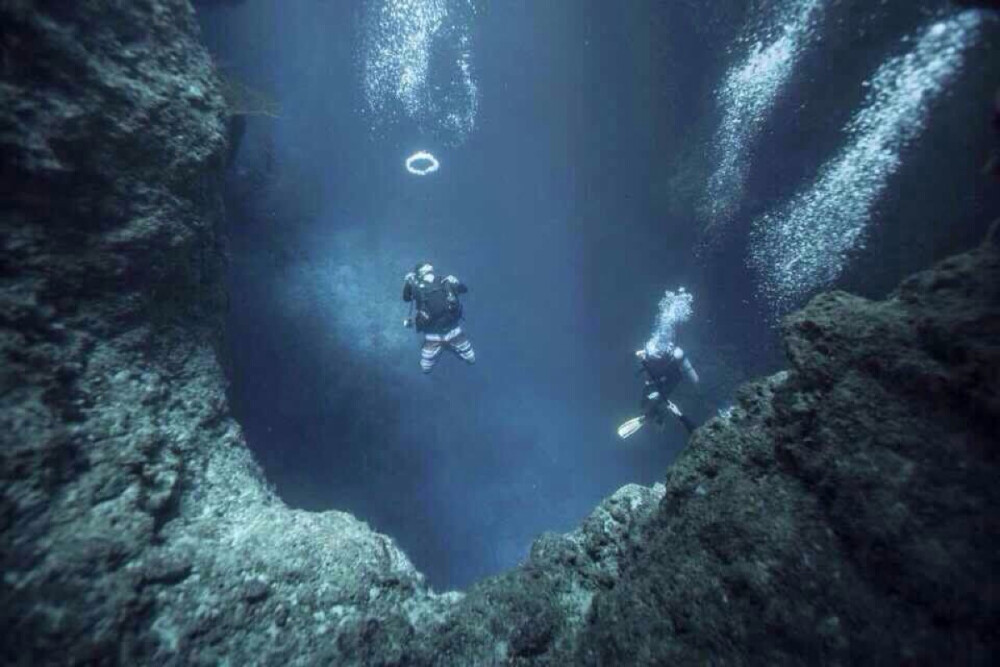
x=674 y=309
x=746 y=97
x=418 y=66
x=805 y=244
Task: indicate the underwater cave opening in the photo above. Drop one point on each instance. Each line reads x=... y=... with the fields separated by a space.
x=565 y=255
x=465 y=467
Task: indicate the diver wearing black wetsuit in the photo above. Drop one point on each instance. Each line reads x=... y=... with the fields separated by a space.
x=438 y=314
x=663 y=373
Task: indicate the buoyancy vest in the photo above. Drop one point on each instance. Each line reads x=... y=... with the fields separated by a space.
x=664 y=372
x=438 y=307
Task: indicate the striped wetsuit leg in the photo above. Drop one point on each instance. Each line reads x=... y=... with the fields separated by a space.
x=430 y=353
x=463 y=348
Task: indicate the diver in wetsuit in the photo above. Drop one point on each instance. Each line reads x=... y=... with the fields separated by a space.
x=663 y=371
x=437 y=316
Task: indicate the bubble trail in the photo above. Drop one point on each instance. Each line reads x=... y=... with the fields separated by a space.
x=805 y=245
x=746 y=98
x=674 y=309
x=406 y=42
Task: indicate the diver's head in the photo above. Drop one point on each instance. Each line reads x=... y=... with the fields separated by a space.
x=670 y=350
x=652 y=351
x=425 y=271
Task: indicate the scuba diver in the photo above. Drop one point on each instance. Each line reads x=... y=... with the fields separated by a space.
x=664 y=370
x=438 y=313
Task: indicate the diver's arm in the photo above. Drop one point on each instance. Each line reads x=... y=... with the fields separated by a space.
x=643 y=364
x=688 y=424
x=457 y=285
x=408 y=287
x=689 y=371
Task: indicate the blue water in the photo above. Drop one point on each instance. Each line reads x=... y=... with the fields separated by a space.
x=574 y=202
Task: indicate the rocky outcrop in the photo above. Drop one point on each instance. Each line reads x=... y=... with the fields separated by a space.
x=843 y=513
x=135 y=526
x=109 y=129
x=846 y=512
x=536 y=613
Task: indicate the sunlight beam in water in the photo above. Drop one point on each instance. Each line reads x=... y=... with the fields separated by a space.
x=746 y=98
x=805 y=244
x=349 y=284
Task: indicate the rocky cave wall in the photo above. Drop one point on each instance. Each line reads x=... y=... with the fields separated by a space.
x=844 y=513
x=136 y=527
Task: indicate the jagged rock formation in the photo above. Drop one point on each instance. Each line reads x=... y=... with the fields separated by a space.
x=131 y=512
x=135 y=526
x=844 y=513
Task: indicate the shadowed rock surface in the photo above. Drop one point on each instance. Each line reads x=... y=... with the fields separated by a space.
x=988 y=4
x=136 y=527
x=844 y=513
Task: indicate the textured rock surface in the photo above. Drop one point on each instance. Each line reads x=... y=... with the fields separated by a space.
x=135 y=526
x=535 y=613
x=844 y=513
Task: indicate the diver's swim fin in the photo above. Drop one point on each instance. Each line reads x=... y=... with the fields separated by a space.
x=630 y=427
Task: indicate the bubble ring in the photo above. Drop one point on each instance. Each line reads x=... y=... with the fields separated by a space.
x=422 y=171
